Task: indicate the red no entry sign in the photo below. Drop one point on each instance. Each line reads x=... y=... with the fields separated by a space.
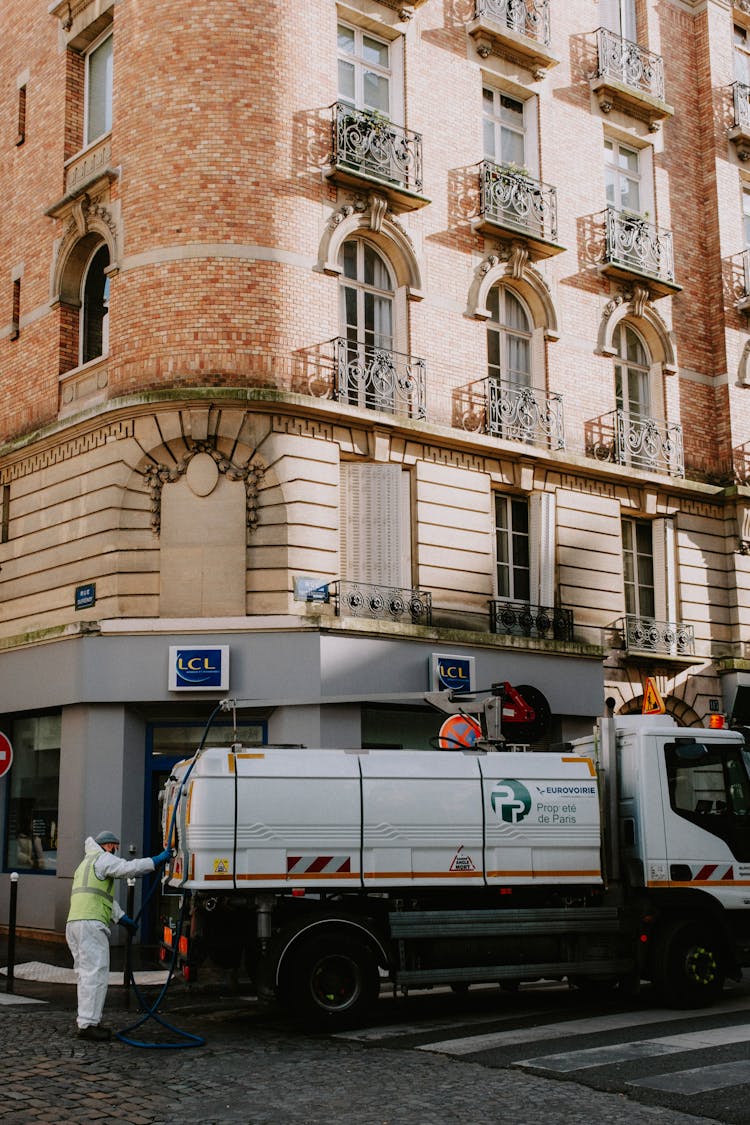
x=6 y=754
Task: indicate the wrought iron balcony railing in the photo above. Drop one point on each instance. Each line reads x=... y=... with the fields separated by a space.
x=527 y=17
x=635 y=246
x=663 y=638
x=507 y=410
x=630 y=64
x=512 y=199
x=378 y=379
x=383 y=603
x=368 y=143
x=521 y=619
x=635 y=439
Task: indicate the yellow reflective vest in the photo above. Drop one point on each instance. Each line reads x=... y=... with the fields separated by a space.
x=91 y=897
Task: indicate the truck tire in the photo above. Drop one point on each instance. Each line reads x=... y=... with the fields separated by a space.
x=689 y=965
x=331 y=981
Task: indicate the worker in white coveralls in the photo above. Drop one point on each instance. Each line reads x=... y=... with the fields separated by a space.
x=92 y=907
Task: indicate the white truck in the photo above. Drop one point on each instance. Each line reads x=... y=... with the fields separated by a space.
x=624 y=857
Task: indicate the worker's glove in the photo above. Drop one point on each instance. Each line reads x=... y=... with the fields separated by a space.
x=128 y=924
x=162 y=858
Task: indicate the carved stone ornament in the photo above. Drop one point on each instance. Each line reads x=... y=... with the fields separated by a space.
x=156 y=476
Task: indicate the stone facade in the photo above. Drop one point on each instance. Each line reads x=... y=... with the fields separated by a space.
x=209 y=438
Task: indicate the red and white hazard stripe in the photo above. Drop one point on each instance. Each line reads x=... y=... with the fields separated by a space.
x=713 y=873
x=318 y=864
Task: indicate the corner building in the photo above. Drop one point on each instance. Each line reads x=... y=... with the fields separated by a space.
x=348 y=343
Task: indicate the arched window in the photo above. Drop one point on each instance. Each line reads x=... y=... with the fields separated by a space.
x=508 y=338
x=94 y=326
x=632 y=363
x=367 y=307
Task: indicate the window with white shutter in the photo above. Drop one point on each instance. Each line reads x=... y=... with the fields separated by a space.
x=375 y=525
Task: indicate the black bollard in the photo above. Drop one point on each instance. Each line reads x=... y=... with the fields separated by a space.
x=9 y=984
x=129 y=910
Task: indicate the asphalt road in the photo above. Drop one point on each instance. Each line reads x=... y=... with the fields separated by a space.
x=543 y=1056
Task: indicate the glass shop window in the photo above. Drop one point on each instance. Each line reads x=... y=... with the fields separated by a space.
x=33 y=785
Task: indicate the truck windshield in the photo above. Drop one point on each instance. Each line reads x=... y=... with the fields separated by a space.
x=710 y=786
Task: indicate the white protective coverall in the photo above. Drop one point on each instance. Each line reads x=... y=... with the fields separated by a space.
x=88 y=940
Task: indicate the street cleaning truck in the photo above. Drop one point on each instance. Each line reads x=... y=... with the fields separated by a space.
x=619 y=858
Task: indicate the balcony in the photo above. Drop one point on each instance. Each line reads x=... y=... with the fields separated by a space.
x=370 y=151
x=514 y=204
x=379 y=603
x=629 y=78
x=636 y=250
x=645 y=636
x=362 y=375
x=505 y=410
x=521 y=619
x=739 y=133
x=518 y=30
x=637 y=440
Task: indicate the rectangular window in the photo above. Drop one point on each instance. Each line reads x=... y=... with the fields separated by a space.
x=375 y=525
x=4 y=513
x=638 y=563
x=15 y=319
x=364 y=69
x=21 y=121
x=741 y=41
x=746 y=215
x=98 y=90
x=504 y=128
x=512 y=546
x=619 y=16
x=622 y=176
x=33 y=790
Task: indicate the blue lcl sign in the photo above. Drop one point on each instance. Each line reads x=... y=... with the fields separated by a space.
x=199 y=669
x=455 y=672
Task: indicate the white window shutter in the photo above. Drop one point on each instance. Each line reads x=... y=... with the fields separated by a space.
x=542 y=518
x=374 y=526
x=665 y=569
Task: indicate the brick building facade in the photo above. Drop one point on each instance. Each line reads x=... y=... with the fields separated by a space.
x=348 y=338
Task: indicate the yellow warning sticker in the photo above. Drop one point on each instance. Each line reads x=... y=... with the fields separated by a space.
x=221 y=866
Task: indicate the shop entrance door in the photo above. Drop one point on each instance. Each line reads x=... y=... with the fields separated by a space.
x=166 y=745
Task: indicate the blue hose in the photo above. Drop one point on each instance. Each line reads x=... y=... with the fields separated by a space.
x=150 y=1011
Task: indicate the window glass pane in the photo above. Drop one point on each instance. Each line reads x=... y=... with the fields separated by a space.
x=99 y=91
x=346 y=39
x=515 y=314
x=512 y=147
x=350 y=259
x=488 y=132
x=493 y=304
x=376 y=273
x=373 y=51
x=746 y=216
x=95 y=307
x=346 y=81
x=33 y=787
x=488 y=100
x=630 y=196
x=511 y=111
x=375 y=92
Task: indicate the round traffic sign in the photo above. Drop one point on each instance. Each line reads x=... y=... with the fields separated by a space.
x=458 y=731
x=6 y=754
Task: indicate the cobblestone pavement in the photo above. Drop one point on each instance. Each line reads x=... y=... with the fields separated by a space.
x=256 y=1069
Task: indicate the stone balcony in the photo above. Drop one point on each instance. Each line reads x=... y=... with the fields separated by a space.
x=636 y=250
x=518 y=30
x=629 y=78
x=644 y=636
x=371 y=152
x=514 y=204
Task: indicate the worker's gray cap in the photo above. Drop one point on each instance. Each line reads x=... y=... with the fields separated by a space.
x=107 y=838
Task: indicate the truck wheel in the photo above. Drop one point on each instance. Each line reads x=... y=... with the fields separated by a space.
x=331 y=981
x=689 y=966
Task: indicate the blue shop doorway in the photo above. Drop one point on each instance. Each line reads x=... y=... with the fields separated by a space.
x=166 y=744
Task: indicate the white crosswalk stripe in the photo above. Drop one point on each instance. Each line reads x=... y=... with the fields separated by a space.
x=700 y=1079
x=594 y=1025
x=641 y=1048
